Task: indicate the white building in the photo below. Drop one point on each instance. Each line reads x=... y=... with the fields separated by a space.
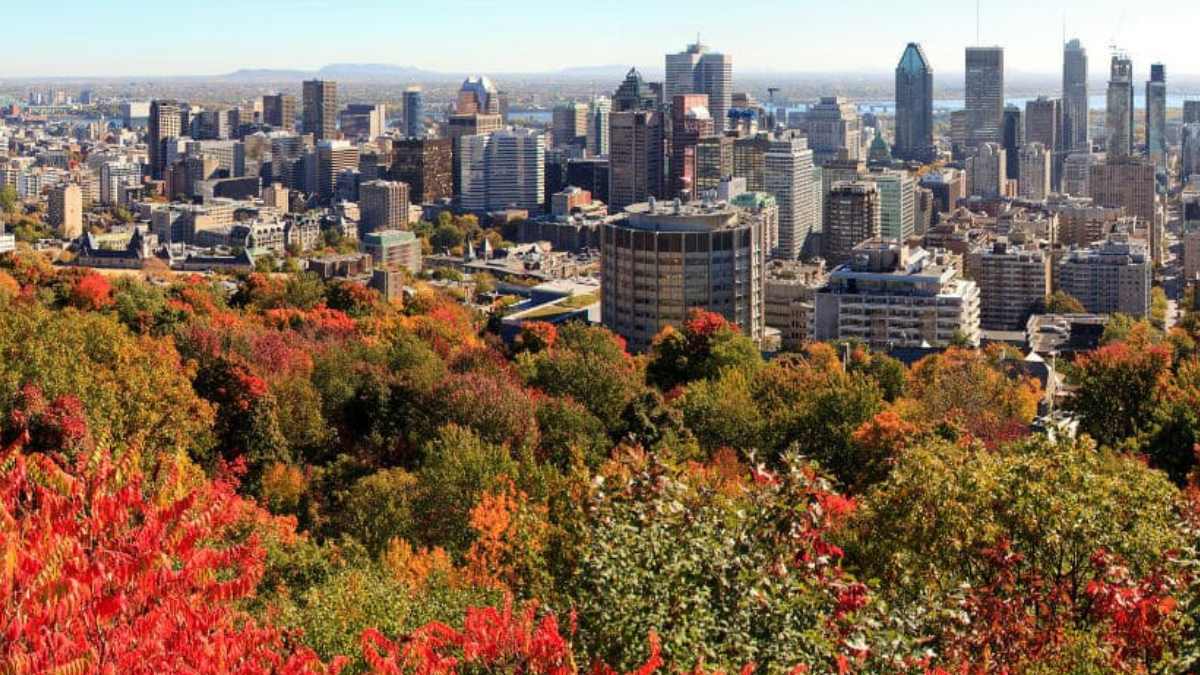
x=788 y=175
x=1034 y=177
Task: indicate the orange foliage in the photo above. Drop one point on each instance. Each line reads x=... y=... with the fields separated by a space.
x=416 y=568
x=510 y=531
x=91 y=292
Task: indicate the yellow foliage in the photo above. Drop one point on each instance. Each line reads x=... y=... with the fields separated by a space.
x=416 y=568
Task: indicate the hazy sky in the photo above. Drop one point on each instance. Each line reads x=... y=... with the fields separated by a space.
x=150 y=37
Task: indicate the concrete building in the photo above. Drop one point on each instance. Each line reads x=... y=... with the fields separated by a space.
x=570 y=125
x=414 y=113
x=833 y=126
x=1034 y=182
x=1111 y=277
x=984 y=95
x=1077 y=173
x=790 y=295
x=114 y=176
x=66 y=211
x=749 y=159
x=333 y=158
x=1156 y=116
x=460 y=126
x=1127 y=182
x=167 y=122
x=1013 y=283
x=690 y=121
x=948 y=187
x=320 y=98
x=504 y=170
x=660 y=262
x=787 y=177
x=1191 y=253
x=635 y=157
x=383 y=205
x=986 y=171
x=393 y=249
x=1076 y=136
x=426 y=165
x=852 y=216
x=914 y=107
x=1043 y=124
x=597 y=130
x=363 y=121
x=697 y=70
x=1119 y=111
x=714 y=163
x=891 y=296
x=897 y=203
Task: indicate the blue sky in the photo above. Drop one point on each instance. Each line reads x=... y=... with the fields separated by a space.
x=150 y=37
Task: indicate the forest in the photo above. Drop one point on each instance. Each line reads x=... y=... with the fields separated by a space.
x=275 y=474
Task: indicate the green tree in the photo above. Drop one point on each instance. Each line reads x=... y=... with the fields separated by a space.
x=8 y=200
x=1061 y=302
x=706 y=344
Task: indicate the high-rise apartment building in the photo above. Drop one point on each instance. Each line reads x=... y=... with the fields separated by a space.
x=635 y=157
x=699 y=71
x=168 y=121
x=852 y=216
x=333 y=158
x=788 y=177
x=279 y=111
x=516 y=161
x=984 y=95
x=749 y=159
x=834 y=130
x=414 y=113
x=1013 y=284
x=914 y=107
x=889 y=295
x=1034 y=181
x=320 y=104
x=986 y=171
x=714 y=163
x=1119 y=118
x=1156 y=116
x=1076 y=136
x=66 y=211
x=1113 y=277
x=469 y=124
x=383 y=205
x=659 y=262
x=690 y=121
x=426 y=165
x=1043 y=124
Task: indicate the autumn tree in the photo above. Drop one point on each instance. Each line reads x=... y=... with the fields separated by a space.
x=701 y=348
x=1119 y=388
x=1061 y=302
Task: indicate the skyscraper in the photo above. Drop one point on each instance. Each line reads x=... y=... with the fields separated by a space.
x=168 y=119
x=833 y=126
x=690 y=121
x=477 y=96
x=633 y=94
x=852 y=216
x=426 y=165
x=1014 y=138
x=361 y=120
x=984 y=95
x=516 y=161
x=699 y=71
x=914 y=107
x=279 y=112
x=635 y=157
x=383 y=206
x=1043 y=124
x=320 y=109
x=570 y=122
x=66 y=211
x=1075 y=132
x=985 y=171
x=333 y=157
x=597 y=131
x=788 y=176
x=1119 y=120
x=1034 y=176
x=1156 y=116
x=414 y=113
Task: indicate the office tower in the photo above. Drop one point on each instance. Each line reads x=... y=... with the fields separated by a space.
x=852 y=216
x=1119 y=119
x=787 y=176
x=1156 y=116
x=597 y=130
x=516 y=171
x=1043 y=124
x=426 y=165
x=1013 y=284
x=834 y=130
x=1076 y=136
x=333 y=158
x=114 y=176
x=650 y=284
x=591 y=174
x=1191 y=112
x=1189 y=160
x=634 y=94
x=1034 y=176
x=212 y=125
x=167 y=121
x=714 y=163
x=570 y=124
x=635 y=158
x=699 y=71
x=984 y=95
x=477 y=96
x=414 y=113
x=1014 y=138
x=320 y=109
x=279 y=112
x=690 y=121
x=958 y=134
x=383 y=205
x=1114 y=277
x=470 y=124
x=1077 y=173
x=985 y=171
x=948 y=187
x=897 y=204
x=889 y=295
x=749 y=160
x=472 y=173
x=1128 y=183
x=66 y=211
x=914 y=107
x=360 y=120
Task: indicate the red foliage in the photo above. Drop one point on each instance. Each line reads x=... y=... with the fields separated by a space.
x=1140 y=613
x=108 y=571
x=536 y=336
x=91 y=291
x=702 y=325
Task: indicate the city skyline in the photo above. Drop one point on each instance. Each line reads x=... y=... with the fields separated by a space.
x=799 y=37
